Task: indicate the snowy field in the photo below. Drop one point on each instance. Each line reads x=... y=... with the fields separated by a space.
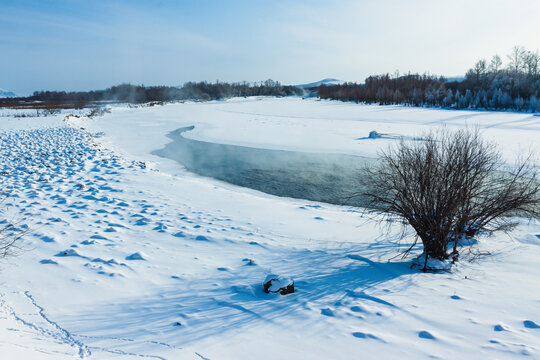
x=127 y=255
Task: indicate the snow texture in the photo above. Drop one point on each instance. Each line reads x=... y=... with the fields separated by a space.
x=80 y=289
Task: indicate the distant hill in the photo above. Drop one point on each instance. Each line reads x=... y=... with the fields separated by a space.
x=455 y=79
x=7 y=94
x=328 y=82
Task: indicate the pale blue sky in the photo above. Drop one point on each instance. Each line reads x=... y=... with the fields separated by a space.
x=80 y=45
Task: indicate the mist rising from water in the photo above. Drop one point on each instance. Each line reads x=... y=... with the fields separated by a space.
x=331 y=178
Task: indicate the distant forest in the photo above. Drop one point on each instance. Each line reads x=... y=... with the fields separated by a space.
x=487 y=85
x=143 y=94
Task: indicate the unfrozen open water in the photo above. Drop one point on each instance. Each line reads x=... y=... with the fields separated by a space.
x=331 y=178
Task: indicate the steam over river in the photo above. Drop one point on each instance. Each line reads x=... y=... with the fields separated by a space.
x=331 y=178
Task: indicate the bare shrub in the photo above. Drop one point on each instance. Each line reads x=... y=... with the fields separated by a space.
x=8 y=239
x=50 y=111
x=98 y=111
x=451 y=185
x=10 y=234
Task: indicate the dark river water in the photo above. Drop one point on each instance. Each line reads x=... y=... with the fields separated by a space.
x=330 y=178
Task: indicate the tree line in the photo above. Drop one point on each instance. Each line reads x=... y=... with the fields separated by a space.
x=487 y=85
x=189 y=91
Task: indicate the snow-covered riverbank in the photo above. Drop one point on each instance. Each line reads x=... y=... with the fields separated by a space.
x=128 y=255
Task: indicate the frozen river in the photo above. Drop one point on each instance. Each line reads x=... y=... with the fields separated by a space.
x=331 y=178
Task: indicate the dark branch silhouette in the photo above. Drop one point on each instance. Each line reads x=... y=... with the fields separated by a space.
x=451 y=186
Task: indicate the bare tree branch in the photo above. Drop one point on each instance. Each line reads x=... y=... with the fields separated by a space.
x=450 y=186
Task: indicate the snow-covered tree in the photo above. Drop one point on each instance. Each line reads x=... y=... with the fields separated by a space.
x=495 y=64
x=516 y=58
